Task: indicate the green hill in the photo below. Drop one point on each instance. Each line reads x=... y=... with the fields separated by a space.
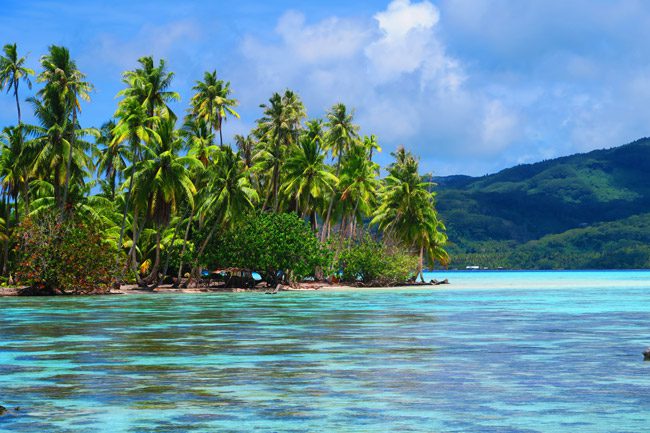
x=492 y=219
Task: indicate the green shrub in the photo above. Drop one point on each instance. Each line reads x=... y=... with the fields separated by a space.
x=280 y=247
x=64 y=257
x=370 y=262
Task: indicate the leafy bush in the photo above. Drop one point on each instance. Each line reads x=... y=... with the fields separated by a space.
x=372 y=263
x=64 y=257
x=277 y=246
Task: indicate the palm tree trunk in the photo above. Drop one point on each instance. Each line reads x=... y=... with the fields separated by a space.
x=69 y=163
x=113 y=182
x=5 y=249
x=126 y=202
x=202 y=249
x=421 y=262
x=266 y=198
x=17 y=99
x=25 y=192
x=353 y=222
x=57 y=186
x=153 y=275
x=314 y=221
x=180 y=263
x=331 y=205
x=133 y=253
x=17 y=216
x=276 y=181
x=166 y=265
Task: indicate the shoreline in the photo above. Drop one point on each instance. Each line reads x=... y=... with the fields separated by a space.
x=132 y=289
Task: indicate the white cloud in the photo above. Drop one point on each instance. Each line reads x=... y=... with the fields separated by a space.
x=498 y=128
x=330 y=39
x=408 y=43
x=393 y=69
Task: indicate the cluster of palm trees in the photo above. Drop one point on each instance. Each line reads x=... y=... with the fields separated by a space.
x=161 y=187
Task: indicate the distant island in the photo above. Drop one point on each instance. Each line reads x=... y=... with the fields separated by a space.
x=585 y=211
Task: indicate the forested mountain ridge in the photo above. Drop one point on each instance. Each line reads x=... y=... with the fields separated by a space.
x=495 y=214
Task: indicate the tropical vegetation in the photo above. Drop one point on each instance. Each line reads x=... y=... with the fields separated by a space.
x=171 y=198
x=576 y=212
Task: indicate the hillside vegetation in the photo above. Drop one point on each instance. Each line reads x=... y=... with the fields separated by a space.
x=581 y=211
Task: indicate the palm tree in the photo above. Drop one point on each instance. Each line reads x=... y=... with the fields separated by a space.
x=149 y=85
x=307 y=176
x=245 y=147
x=112 y=157
x=50 y=147
x=13 y=178
x=359 y=183
x=277 y=131
x=13 y=71
x=162 y=181
x=212 y=102
x=133 y=126
x=198 y=136
x=370 y=143
x=406 y=211
x=341 y=134
x=13 y=174
x=229 y=195
x=64 y=81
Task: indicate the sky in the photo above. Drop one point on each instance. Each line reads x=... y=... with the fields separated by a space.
x=470 y=86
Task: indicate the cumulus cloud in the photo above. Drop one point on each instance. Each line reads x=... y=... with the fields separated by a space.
x=329 y=40
x=393 y=69
x=405 y=39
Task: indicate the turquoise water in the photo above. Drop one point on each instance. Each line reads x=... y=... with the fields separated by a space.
x=529 y=352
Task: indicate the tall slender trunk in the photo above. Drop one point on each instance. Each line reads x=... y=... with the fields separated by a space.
x=220 y=133
x=276 y=181
x=69 y=163
x=135 y=263
x=133 y=253
x=266 y=198
x=153 y=275
x=353 y=223
x=331 y=205
x=25 y=192
x=17 y=216
x=5 y=249
x=195 y=266
x=314 y=221
x=180 y=262
x=421 y=262
x=16 y=83
x=57 y=186
x=113 y=184
x=127 y=199
x=166 y=265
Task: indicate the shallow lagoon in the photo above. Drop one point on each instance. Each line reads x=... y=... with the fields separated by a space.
x=531 y=352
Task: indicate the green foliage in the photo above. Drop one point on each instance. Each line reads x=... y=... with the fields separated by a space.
x=490 y=217
x=269 y=243
x=613 y=245
x=64 y=257
x=372 y=263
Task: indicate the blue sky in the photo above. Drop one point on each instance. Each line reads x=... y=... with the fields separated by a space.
x=471 y=86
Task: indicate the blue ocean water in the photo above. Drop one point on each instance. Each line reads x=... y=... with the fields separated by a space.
x=491 y=352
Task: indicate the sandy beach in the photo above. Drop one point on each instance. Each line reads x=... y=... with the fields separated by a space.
x=132 y=289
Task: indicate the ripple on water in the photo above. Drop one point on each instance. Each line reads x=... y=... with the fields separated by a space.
x=505 y=360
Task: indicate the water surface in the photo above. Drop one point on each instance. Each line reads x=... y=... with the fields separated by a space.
x=532 y=352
